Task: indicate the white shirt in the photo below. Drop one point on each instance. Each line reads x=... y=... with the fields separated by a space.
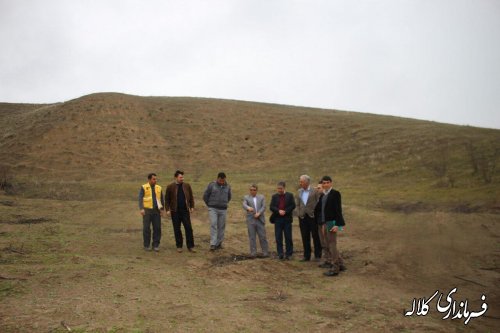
x=305 y=195
x=255 y=203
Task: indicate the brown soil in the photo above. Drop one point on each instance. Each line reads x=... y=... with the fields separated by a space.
x=85 y=266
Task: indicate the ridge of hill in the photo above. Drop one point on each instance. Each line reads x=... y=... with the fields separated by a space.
x=116 y=136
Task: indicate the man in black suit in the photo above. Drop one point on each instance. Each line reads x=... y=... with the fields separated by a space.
x=330 y=222
x=282 y=206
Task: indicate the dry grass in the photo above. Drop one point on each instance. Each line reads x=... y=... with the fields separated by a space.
x=421 y=202
x=84 y=265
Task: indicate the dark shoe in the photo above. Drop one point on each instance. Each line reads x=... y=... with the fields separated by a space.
x=192 y=250
x=304 y=259
x=288 y=257
x=342 y=268
x=331 y=273
x=281 y=257
x=212 y=248
x=317 y=259
x=252 y=256
x=325 y=265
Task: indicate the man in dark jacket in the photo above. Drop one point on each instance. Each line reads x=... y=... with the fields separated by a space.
x=179 y=202
x=330 y=222
x=282 y=206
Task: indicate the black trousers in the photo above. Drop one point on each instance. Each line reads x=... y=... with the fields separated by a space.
x=283 y=227
x=153 y=217
x=308 y=228
x=178 y=218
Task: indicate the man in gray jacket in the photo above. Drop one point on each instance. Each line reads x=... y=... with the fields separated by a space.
x=307 y=199
x=216 y=197
x=254 y=205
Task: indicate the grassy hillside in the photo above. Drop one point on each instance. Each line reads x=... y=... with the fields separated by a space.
x=421 y=201
x=377 y=160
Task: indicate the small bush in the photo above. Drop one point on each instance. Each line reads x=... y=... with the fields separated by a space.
x=6 y=182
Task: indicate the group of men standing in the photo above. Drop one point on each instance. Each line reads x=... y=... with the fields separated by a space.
x=320 y=218
x=319 y=210
x=179 y=204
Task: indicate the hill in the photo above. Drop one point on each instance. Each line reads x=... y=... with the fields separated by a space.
x=421 y=202
x=121 y=137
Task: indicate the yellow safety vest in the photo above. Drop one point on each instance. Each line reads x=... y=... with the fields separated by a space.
x=148 y=196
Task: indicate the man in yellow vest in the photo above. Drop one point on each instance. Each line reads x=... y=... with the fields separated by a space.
x=151 y=205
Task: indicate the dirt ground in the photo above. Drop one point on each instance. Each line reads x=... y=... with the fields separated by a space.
x=80 y=265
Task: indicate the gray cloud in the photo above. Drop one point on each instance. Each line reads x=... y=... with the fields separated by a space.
x=434 y=60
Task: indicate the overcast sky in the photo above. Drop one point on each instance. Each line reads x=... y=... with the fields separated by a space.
x=427 y=59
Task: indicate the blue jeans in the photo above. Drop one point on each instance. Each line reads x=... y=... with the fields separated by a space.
x=283 y=227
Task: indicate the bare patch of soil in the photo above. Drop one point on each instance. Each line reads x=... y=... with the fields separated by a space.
x=24 y=220
x=96 y=277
